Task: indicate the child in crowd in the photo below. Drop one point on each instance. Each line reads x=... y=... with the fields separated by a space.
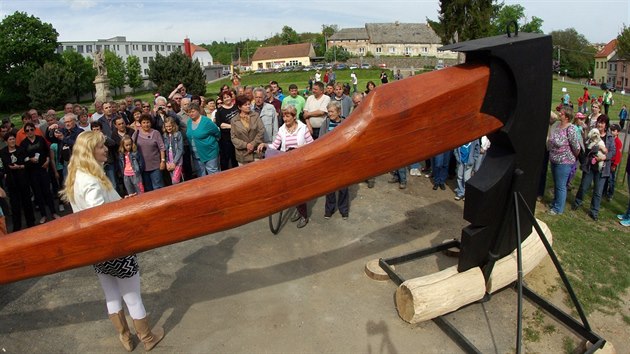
x=465 y=156
x=131 y=163
x=623 y=115
x=339 y=199
x=174 y=145
x=609 y=185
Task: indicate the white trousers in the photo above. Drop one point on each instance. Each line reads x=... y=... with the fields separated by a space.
x=127 y=289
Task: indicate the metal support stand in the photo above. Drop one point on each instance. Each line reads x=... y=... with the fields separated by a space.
x=580 y=328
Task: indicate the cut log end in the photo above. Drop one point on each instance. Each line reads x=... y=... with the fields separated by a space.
x=374 y=271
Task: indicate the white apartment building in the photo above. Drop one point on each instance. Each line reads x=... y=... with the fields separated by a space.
x=144 y=50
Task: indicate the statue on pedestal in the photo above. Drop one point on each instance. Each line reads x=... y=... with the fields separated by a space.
x=101 y=82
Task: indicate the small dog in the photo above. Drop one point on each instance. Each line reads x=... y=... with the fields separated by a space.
x=596 y=145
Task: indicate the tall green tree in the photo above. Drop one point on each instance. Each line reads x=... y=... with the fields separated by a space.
x=51 y=85
x=289 y=35
x=83 y=71
x=462 y=20
x=115 y=70
x=168 y=72
x=337 y=53
x=26 y=43
x=134 y=72
x=576 y=53
x=510 y=13
x=623 y=43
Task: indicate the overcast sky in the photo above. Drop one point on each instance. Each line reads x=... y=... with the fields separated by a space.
x=207 y=21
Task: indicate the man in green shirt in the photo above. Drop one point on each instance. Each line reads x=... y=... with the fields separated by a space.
x=294 y=100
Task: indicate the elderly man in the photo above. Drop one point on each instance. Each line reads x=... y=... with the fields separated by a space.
x=68 y=108
x=267 y=114
x=161 y=113
x=315 y=110
x=67 y=135
x=98 y=107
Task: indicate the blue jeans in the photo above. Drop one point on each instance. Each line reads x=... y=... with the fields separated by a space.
x=415 y=165
x=401 y=174
x=440 y=167
x=152 y=180
x=208 y=167
x=464 y=172
x=609 y=186
x=560 y=173
x=587 y=179
x=110 y=173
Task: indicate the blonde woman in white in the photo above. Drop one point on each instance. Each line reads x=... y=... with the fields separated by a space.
x=87 y=186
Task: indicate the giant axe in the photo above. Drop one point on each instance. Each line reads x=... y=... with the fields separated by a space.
x=502 y=91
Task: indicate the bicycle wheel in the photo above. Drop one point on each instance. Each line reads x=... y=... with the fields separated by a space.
x=275 y=220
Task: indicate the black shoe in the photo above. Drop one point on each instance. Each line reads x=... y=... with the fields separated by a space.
x=402 y=185
x=442 y=186
x=592 y=216
x=302 y=222
x=435 y=187
x=574 y=206
x=296 y=217
x=370 y=184
x=393 y=180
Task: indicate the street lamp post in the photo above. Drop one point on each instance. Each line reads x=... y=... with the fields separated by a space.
x=565 y=75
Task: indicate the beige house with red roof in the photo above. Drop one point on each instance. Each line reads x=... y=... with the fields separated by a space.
x=283 y=55
x=601 y=61
x=201 y=54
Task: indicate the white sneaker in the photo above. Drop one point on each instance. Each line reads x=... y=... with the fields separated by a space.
x=414 y=172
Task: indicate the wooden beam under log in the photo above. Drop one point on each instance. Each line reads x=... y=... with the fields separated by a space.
x=397 y=124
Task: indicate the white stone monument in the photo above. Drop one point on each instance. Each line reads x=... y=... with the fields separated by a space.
x=101 y=82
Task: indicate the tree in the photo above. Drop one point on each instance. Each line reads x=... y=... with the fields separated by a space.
x=83 y=71
x=168 y=72
x=576 y=53
x=289 y=36
x=510 y=13
x=115 y=70
x=336 y=53
x=329 y=30
x=51 y=86
x=462 y=20
x=134 y=72
x=26 y=44
x=623 y=43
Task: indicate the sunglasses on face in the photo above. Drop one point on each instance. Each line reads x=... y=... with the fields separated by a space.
x=169 y=106
x=146 y=106
x=29 y=130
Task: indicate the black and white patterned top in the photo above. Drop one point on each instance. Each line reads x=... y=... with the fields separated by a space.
x=124 y=267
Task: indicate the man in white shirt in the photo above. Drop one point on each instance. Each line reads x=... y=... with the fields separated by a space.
x=98 y=107
x=355 y=81
x=315 y=110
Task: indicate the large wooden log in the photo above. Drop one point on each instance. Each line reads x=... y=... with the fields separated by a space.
x=436 y=294
x=427 y=297
x=399 y=123
x=533 y=252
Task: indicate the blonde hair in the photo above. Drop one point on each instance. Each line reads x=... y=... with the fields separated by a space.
x=83 y=160
x=173 y=124
x=121 y=148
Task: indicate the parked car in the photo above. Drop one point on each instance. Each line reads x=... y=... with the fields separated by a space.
x=382 y=65
x=341 y=66
x=353 y=66
x=308 y=68
x=365 y=66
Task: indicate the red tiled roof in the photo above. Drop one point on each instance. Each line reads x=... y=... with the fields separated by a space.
x=608 y=48
x=282 y=51
x=196 y=48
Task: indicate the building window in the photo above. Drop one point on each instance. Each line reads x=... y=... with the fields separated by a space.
x=144 y=47
x=98 y=47
x=60 y=49
x=168 y=47
x=362 y=50
x=408 y=50
x=162 y=47
x=425 y=50
x=127 y=49
x=379 y=50
x=145 y=60
x=392 y=50
x=146 y=72
x=88 y=48
x=106 y=46
x=293 y=63
x=79 y=49
x=150 y=59
x=150 y=47
x=69 y=47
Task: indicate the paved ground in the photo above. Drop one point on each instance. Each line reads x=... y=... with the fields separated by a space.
x=246 y=290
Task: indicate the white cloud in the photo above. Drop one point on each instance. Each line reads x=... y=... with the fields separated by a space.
x=82 y=4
